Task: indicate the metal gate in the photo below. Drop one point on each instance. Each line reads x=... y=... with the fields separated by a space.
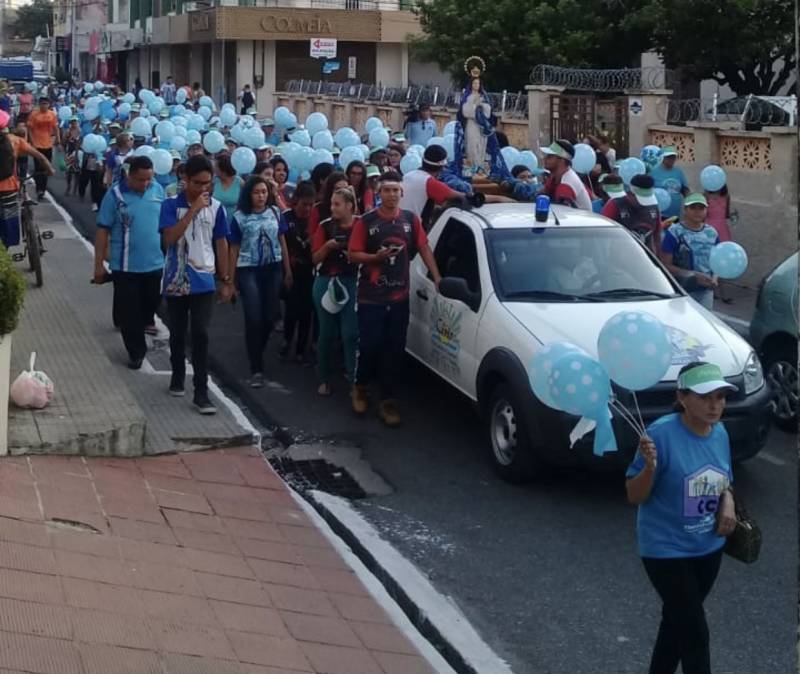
x=576 y=116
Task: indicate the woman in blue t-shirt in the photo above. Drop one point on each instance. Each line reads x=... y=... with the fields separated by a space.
x=261 y=262
x=680 y=479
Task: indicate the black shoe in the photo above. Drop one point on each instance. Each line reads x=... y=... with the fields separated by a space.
x=203 y=404
x=135 y=363
x=176 y=386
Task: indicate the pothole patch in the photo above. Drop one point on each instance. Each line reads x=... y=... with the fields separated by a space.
x=71 y=525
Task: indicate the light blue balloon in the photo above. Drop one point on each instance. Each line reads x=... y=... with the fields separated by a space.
x=305 y=158
x=180 y=131
x=364 y=150
x=321 y=157
x=579 y=385
x=379 y=137
x=205 y=113
x=162 y=162
x=155 y=106
x=145 y=96
x=195 y=122
x=144 y=151
x=316 y=122
x=346 y=137
x=128 y=98
x=228 y=106
x=141 y=127
x=88 y=87
x=528 y=160
x=632 y=166
x=88 y=143
x=177 y=143
x=650 y=155
x=291 y=153
x=165 y=130
x=419 y=149
x=411 y=162
x=243 y=160
x=153 y=120
x=206 y=102
x=713 y=178
x=450 y=146
x=450 y=128
x=246 y=121
x=283 y=117
x=436 y=140
x=99 y=86
x=91 y=113
x=192 y=136
x=64 y=113
x=635 y=349
x=322 y=140
x=292 y=121
x=144 y=112
x=100 y=145
x=227 y=117
x=180 y=96
x=301 y=137
x=254 y=137
x=349 y=155
x=180 y=120
x=585 y=158
x=728 y=260
x=541 y=366
x=213 y=142
x=373 y=123
x=663 y=197
x=511 y=156
x=237 y=133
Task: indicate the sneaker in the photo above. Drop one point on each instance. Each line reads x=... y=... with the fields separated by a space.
x=203 y=404
x=176 y=387
x=358 y=395
x=94 y=208
x=387 y=411
x=257 y=380
x=151 y=330
x=135 y=363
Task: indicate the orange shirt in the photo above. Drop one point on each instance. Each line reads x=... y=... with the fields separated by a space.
x=20 y=147
x=42 y=126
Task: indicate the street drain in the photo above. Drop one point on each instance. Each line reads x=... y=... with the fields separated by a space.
x=307 y=474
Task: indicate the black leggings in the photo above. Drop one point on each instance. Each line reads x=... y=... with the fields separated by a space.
x=683 y=585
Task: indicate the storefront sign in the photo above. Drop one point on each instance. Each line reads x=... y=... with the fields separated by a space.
x=201 y=21
x=268 y=23
x=330 y=66
x=287 y=24
x=322 y=48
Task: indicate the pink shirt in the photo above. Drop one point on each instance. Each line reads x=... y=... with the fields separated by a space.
x=717 y=216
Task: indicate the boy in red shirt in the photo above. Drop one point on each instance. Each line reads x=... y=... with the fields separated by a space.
x=383 y=242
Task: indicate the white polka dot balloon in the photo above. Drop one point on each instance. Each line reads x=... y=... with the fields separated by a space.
x=541 y=367
x=579 y=385
x=728 y=260
x=635 y=350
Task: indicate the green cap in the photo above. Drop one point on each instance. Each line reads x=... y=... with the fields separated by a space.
x=704 y=379
x=558 y=150
x=375 y=149
x=695 y=198
x=399 y=138
x=614 y=189
x=268 y=122
x=669 y=151
x=175 y=154
x=373 y=171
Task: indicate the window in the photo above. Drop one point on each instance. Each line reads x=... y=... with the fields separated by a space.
x=457 y=256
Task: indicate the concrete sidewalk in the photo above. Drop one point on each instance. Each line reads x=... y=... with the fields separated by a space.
x=180 y=564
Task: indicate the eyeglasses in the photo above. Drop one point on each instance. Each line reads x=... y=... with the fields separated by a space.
x=200 y=183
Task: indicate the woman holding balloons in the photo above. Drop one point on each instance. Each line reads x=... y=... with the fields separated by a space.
x=680 y=480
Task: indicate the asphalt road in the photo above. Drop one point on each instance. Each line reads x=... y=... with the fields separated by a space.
x=548 y=573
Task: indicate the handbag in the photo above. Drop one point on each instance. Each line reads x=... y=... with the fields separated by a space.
x=744 y=543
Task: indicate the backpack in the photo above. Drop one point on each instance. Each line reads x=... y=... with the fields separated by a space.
x=8 y=161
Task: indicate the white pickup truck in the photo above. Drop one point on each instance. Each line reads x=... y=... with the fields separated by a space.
x=512 y=284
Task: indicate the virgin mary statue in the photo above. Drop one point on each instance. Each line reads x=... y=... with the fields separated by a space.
x=475 y=131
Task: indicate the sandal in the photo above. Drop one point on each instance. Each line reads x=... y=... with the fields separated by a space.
x=324 y=390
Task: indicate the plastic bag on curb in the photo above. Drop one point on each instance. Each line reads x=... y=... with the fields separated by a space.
x=32 y=388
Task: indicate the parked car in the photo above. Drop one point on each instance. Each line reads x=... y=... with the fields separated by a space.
x=774 y=333
x=512 y=284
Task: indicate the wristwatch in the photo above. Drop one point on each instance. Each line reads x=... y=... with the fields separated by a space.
x=226 y=279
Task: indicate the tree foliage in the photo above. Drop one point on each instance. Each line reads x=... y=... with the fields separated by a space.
x=746 y=44
x=513 y=36
x=31 y=19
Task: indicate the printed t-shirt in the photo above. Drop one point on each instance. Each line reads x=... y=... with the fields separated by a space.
x=679 y=517
x=298 y=243
x=643 y=221
x=420 y=132
x=133 y=222
x=189 y=266
x=257 y=235
x=421 y=191
x=568 y=190
x=42 y=125
x=337 y=262
x=25 y=102
x=691 y=249
x=386 y=282
x=674 y=181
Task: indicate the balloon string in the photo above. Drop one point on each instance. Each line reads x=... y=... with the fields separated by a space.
x=639 y=412
x=628 y=417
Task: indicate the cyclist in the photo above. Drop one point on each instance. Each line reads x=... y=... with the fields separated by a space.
x=11 y=148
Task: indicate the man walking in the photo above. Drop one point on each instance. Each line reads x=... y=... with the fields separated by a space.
x=383 y=242
x=128 y=220
x=671 y=178
x=563 y=186
x=43 y=129
x=168 y=91
x=638 y=212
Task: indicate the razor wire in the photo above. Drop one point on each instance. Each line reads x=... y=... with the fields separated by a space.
x=742 y=110
x=587 y=79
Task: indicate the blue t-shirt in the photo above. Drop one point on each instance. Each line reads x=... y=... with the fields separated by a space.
x=691 y=249
x=133 y=219
x=420 y=132
x=679 y=518
x=190 y=263
x=114 y=161
x=674 y=181
x=257 y=236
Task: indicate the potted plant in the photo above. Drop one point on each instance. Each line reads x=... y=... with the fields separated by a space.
x=12 y=294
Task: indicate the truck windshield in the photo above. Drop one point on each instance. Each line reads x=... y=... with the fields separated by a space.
x=591 y=264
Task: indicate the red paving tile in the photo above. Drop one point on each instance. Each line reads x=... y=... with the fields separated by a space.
x=204 y=565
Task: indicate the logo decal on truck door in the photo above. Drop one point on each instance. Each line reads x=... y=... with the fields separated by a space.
x=445 y=325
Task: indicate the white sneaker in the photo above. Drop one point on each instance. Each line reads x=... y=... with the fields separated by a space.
x=94 y=208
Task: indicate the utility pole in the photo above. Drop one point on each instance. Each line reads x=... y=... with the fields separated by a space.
x=74 y=58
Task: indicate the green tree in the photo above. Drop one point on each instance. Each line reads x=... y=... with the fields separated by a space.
x=514 y=35
x=746 y=44
x=32 y=19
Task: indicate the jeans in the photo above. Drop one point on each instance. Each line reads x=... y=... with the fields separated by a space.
x=704 y=296
x=183 y=310
x=259 y=288
x=332 y=326
x=136 y=296
x=299 y=308
x=382 y=332
x=40 y=172
x=683 y=585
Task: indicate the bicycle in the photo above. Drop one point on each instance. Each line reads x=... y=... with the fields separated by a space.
x=32 y=237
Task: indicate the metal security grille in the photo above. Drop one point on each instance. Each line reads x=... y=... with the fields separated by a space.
x=572 y=117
